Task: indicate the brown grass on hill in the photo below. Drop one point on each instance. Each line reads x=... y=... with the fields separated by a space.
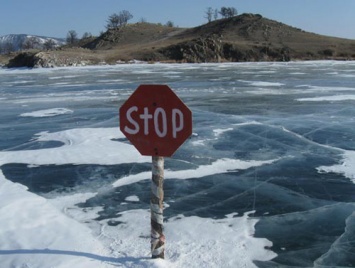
x=241 y=38
x=247 y=37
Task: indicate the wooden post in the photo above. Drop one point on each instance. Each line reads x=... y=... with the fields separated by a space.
x=156 y=208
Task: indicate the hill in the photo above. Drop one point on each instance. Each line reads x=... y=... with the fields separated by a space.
x=247 y=37
x=16 y=42
x=251 y=37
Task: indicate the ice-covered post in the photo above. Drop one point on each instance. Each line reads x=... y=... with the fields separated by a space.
x=156 y=208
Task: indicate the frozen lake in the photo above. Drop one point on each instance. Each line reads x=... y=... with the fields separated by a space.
x=266 y=180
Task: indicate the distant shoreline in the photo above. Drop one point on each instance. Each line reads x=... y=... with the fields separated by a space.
x=4 y=67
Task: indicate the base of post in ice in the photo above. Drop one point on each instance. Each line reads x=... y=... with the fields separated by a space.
x=156 y=208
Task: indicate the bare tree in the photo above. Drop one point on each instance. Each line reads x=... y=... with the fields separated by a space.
x=233 y=12
x=170 y=24
x=49 y=44
x=86 y=35
x=72 y=37
x=143 y=20
x=209 y=13
x=215 y=15
x=30 y=43
x=228 y=12
x=8 y=47
x=113 y=21
x=125 y=16
x=117 y=20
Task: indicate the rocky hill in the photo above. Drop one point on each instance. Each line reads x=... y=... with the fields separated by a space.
x=247 y=37
x=251 y=37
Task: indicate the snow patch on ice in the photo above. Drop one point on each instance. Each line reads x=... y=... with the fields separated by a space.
x=219 y=166
x=47 y=112
x=262 y=83
x=35 y=233
x=346 y=167
x=218 y=132
x=190 y=241
x=31 y=226
x=329 y=98
x=132 y=198
x=100 y=146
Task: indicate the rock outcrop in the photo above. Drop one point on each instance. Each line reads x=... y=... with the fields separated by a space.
x=24 y=59
x=202 y=49
x=50 y=59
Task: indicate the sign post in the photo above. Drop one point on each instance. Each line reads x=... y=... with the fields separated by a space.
x=157 y=123
x=156 y=208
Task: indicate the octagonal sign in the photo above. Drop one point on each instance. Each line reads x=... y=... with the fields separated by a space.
x=155 y=120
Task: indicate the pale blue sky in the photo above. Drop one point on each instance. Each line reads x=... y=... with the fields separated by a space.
x=56 y=17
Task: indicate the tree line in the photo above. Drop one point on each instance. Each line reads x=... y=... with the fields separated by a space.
x=114 y=21
x=120 y=19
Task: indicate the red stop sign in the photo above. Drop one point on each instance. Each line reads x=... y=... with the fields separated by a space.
x=155 y=120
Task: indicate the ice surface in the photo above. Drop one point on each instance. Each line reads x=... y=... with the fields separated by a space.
x=312 y=228
x=35 y=233
x=341 y=253
x=269 y=169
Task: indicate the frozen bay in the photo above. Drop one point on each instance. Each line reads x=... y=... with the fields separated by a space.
x=267 y=179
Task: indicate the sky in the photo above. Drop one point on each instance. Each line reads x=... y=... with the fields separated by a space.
x=55 y=18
